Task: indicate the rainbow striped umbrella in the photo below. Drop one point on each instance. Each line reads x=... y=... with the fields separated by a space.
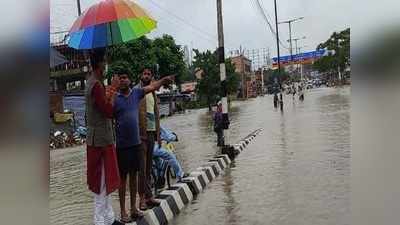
x=110 y=22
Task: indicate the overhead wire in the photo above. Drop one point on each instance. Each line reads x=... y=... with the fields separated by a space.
x=167 y=20
x=194 y=27
x=258 y=7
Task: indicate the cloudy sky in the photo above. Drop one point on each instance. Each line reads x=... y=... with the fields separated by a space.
x=193 y=22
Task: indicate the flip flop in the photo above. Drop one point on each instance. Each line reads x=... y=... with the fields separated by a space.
x=125 y=219
x=143 y=206
x=136 y=215
x=153 y=203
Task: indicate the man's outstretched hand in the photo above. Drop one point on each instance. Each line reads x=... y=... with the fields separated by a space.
x=168 y=79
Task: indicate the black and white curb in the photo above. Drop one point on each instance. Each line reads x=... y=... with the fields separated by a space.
x=174 y=199
x=242 y=144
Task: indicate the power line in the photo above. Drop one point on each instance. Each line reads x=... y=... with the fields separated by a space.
x=214 y=37
x=269 y=24
x=257 y=5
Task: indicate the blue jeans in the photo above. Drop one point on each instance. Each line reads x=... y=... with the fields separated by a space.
x=170 y=158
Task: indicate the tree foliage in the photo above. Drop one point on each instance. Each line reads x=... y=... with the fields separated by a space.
x=143 y=52
x=338 y=47
x=209 y=87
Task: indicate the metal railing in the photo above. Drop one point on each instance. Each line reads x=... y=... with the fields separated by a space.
x=58 y=38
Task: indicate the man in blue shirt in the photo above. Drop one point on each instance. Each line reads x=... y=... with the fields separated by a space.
x=129 y=148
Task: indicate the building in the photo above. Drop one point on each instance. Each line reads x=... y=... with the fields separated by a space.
x=251 y=86
x=70 y=76
x=188 y=87
x=259 y=79
x=67 y=79
x=243 y=67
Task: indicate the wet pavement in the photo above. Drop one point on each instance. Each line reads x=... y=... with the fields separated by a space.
x=297 y=171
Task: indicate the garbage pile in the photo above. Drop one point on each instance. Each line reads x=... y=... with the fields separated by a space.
x=62 y=139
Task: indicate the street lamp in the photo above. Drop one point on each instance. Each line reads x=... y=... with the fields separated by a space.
x=295 y=40
x=301 y=65
x=290 y=32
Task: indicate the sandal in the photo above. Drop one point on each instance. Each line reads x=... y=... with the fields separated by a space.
x=143 y=206
x=126 y=219
x=153 y=202
x=136 y=215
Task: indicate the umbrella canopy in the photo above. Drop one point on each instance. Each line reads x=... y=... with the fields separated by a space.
x=56 y=58
x=110 y=22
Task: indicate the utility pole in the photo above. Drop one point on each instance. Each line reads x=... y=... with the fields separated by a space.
x=297 y=39
x=290 y=35
x=222 y=69
x=279 y=60
x=277 y=38
x=301 y=64
x=339 y=74
x=78 y=2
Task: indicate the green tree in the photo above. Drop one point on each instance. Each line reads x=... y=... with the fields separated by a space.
x=169 y=57
x=134 y=55
x=209 y=87
x=189 y=75
x=143 y=52
x=338 y=46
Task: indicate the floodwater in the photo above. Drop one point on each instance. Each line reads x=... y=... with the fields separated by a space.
x=295 y=172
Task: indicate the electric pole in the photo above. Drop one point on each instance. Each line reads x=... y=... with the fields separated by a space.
x=290 y=35
x=295 y=40
x=222 y=69
x=301 y=61
x=78 y=2
x=277 y=38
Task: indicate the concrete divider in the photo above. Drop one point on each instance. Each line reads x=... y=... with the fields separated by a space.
x=174 y=199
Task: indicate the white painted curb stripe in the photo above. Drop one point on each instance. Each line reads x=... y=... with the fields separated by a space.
x=213 y=175
x=151 y=218
x=186 y=188
x=216 y=164
x=201 y=173
x=176 y=196
x=167 y=210
x=196 y=182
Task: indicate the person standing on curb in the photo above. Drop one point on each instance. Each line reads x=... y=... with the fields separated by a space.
x=129 y=146
x=102 y=169
x=218 y=125
x=149 y=124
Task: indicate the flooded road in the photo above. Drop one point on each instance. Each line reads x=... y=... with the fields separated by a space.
x=296 y=172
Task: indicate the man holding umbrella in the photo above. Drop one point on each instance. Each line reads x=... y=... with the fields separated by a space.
x=98 y=28
x=102 y=169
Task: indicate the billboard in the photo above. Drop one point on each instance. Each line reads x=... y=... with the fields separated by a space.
x=302 y=57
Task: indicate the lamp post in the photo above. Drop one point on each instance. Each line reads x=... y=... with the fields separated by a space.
x=78 y=2
x=289 y=22
x=301 y=64
x=296 y=48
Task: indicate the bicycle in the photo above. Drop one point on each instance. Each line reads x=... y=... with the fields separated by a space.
x=160 y=173
x=161 y=170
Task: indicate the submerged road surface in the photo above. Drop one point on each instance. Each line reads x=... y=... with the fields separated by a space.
x=296 y=172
